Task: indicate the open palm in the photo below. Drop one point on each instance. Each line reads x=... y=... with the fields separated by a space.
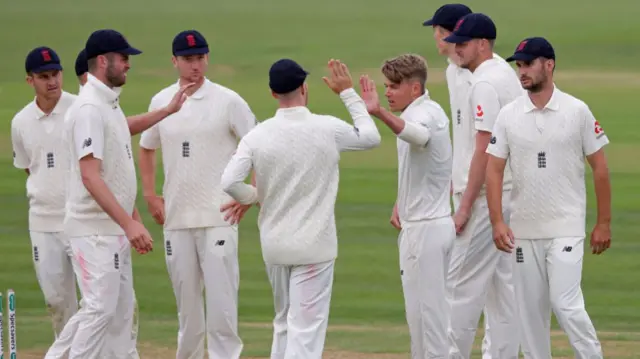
x=369 y=94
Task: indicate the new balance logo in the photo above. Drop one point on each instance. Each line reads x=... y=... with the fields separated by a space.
x=167 y=248
x=519 y=255
x=116 y=261
x=567 y=249
x=542 y=160
x=86 y=143
x=50 y=160
x=220 y=242
x=36 y=255
x=186 y=150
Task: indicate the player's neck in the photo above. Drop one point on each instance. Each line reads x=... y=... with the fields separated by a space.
x=292 y=103
x=194 y=88
x=481 y=59
x=541 y=98
x=47 y=105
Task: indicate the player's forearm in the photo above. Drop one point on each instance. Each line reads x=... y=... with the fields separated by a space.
x=494 y=195
x=409 y=132
x=477 y=174
x=105 y=199
x=141 y=122
x=136 y=215
x=243 y=193
x=368 y=134
x=147 y=160
x=602 y=186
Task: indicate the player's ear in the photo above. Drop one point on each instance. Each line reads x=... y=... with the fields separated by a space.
x=174 y=61
x=274 y=95
x=29 y=79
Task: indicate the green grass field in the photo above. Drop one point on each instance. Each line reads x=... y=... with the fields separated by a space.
x=597 y=60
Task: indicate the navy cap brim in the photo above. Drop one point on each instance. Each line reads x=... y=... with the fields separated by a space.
x=194 y=51
x=521 y=57
x=457 y=39
x=129 y=51
x=48 y=67
x=428 y=23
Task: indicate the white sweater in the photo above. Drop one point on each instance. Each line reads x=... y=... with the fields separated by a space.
x=96 y=125
x=295 y=156
x=40 y=145
x=197 y=143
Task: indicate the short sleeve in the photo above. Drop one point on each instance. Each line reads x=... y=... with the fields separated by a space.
x=485 y=106
x=499 y=143
x=150 y=138
x=241 y=118
x=20 y=155
x=88 y=132
x=593 y=136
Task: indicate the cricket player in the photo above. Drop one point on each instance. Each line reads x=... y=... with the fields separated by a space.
x=422 y=209
x=38 y=139
x=101 y=220
x=295 y=155
x=480 y=275
x=201 y=246
x=546 y=135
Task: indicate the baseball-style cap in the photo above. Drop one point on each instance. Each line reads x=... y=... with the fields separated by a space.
x=531 y=48
x=189 y=42
x=42 y=59
x=448 y=15
x=81 y=63
x=285 y=76
x=104 y=41
x=473 y=26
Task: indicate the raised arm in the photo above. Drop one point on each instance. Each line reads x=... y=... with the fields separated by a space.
x=593 y=141
x=141 y=122
x=485 y=102
x=236 y=172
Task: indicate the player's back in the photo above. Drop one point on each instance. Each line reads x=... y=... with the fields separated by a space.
x=295 y=157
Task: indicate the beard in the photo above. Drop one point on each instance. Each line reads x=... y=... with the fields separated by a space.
x=114 y=77
x=535 y=86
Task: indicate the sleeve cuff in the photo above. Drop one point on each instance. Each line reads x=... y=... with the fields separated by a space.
x=496 y=153
x=415 y=134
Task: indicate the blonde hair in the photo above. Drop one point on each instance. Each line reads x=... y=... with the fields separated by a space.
x=405 y=67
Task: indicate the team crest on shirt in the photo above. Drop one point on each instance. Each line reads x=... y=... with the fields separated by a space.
x=479 y=113
x=599 y=131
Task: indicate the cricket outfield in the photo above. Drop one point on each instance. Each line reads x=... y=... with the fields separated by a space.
x=598 y=53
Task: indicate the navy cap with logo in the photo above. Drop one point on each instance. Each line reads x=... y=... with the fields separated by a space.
x=82 y=66
x=189 y=42
x=448 y=15
x=104 y=41
x=473 y=26
x=285 y=76
x=42 y=59
x=531 y=48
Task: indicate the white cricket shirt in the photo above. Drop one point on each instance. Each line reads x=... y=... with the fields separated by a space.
x=295 y=156
x=546 y=149
x=197 y=143
x=95 y=124
x=424 y=166
x=40 y=145
x=478 y=97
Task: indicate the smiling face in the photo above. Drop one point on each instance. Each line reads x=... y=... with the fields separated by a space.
x=47 y=84
x=117 y=66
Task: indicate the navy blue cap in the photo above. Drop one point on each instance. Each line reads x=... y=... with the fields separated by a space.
x=285 y=76
x=81 y=63
x=473 y=26
x=104 y=41
x=531 y=48
x=189 y=42
x=42 y=59
x=448 y=15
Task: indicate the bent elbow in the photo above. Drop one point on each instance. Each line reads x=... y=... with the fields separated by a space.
x=373 y=139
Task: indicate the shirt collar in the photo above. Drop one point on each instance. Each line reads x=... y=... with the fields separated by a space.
x=292 y=111
x=485 y=65
x=553 y=104
x=56 y=110
x=109 y=95
x=201 y=91
x=418 y=101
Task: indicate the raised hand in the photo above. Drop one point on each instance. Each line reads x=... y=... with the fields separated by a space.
x=178 y=99
x=370 y=94
x=339 y=78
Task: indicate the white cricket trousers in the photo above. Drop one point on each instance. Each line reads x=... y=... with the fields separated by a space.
x=425 y=252
x=481 y=277
x=302 y=299
x=208 y=257
x=102 y=328
x=547 y=276
x=52 y=260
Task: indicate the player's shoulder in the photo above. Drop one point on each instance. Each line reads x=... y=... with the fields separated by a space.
x=23 y=115
x=66 y=100
x=570 y=102
x=516 y=106
x=225 y=92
